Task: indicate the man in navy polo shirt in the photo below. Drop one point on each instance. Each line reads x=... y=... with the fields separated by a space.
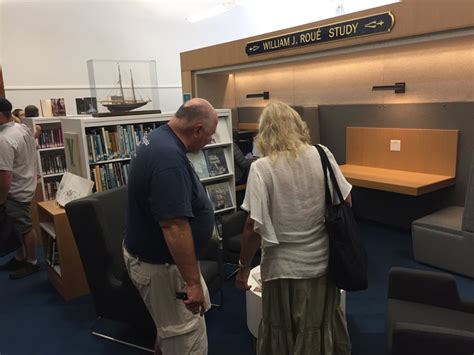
x=170 y=221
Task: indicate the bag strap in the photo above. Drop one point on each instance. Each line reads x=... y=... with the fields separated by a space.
x=327 y=167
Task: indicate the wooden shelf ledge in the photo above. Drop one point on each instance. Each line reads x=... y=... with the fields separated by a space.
x=403 y=182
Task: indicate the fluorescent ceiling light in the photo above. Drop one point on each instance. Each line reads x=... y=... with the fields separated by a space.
x=210 y=12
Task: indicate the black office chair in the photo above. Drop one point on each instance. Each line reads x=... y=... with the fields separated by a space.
x=97 y=223
x=232 y=229
x=425 y=314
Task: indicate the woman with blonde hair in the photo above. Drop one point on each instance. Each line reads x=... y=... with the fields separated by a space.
x=285 y=202
x=18 y=115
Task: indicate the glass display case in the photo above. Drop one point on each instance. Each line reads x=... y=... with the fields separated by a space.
x=123 y=86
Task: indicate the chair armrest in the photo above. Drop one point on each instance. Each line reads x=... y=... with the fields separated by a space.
x=214 y=253
x=233 y=224
x=432 y=288
x=411 y=338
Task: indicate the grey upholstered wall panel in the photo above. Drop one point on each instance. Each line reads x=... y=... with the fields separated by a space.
x=392 y=208
x=468 y=218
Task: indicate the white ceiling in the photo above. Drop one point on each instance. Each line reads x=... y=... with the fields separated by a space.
x=180 y=9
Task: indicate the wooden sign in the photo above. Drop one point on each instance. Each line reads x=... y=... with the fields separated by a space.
x=360 y=27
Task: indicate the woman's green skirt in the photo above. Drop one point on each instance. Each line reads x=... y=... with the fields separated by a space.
x=302 y=317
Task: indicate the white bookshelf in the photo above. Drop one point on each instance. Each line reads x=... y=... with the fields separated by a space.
x=50 y=171
x=80 y=134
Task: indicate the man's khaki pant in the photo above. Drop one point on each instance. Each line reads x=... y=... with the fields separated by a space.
x=179 y=331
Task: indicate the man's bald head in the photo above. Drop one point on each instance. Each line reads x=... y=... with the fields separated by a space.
x=194 y=123
x=195 y=110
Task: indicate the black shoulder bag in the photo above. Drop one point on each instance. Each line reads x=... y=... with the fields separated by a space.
x=348 y=262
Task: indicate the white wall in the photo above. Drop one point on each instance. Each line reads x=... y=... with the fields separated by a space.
x=46 y=43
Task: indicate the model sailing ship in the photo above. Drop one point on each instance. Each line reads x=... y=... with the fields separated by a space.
x=121 y=104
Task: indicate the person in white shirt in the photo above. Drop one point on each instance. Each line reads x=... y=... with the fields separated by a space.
x=285 y=202
x=17 y=188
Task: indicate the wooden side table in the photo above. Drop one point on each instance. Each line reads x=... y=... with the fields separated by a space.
x=64 y=265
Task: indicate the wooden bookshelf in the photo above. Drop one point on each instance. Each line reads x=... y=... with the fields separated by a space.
x=64 y=267
x=426 y=161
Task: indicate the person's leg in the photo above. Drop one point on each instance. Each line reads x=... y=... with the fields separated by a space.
x=191 y=343
x=178 y=330
x=24 y=226
x=29 y=246
x=15 y=212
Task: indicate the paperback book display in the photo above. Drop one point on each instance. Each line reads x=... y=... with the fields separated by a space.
x=220 y=195
x=215 y=160
x=198 y=161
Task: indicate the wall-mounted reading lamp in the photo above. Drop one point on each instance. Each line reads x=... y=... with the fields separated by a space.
x=265 y=95
x=398 y=87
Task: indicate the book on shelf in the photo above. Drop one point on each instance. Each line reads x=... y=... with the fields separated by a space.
x=220 y=195
x=198 y=161
x=216 y=162
x=53 y=163
x=72 y=187
x=53 y=107
x=115 y=142
x=110 y=175
x=50 y=189
x=46 y=107
x=58 y=107
x=50 y=138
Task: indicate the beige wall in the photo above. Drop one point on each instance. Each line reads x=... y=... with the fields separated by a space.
x=431 y=48
x=435 y=71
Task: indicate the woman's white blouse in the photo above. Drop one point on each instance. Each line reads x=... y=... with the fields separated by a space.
x=285 y=198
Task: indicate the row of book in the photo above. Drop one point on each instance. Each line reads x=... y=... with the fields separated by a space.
x=108 y=176
x=50 y=189
x=50 y=138
x=209 y=162
x=115 y=142
x=53 y=163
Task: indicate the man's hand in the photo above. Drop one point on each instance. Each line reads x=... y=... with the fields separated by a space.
x=242 y=279
x=195 y=302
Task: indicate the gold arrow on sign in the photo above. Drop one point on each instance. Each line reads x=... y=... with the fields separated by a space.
x=254 y=48
x=374 y=24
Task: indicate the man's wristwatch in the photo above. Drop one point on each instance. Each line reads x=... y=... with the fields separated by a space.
x=243 y=266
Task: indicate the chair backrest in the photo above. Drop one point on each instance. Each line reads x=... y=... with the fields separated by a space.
x=98 y=224
x=468 y=216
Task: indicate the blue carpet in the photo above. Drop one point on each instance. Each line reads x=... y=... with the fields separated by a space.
x=34 y=319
